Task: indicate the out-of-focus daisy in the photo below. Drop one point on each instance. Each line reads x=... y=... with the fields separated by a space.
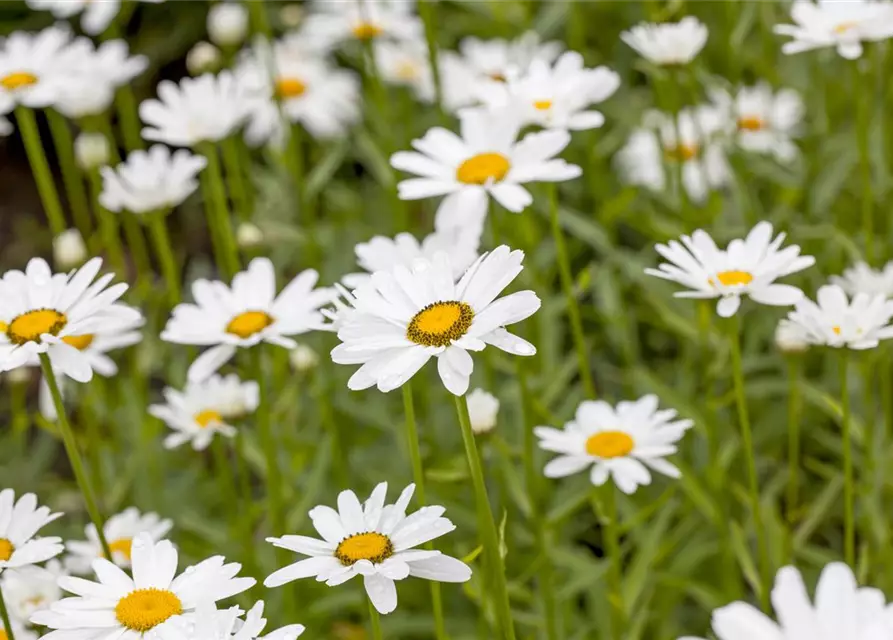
x=246 y=314
x=227 y=24
x=204 y=109
x=20 y=520
x=207 y=623
x=486 y=158
x=43 y=312
x=374 y=540
x=129 y=607
x=329 y=24
x=404 y=317
x=747 y=267
x=841 y=609
x=836 y=321
x=151 y=181
x=32 y=68
x=91 y=150
x=406 y=64
x=790 y=337
x=620 y=442
x=27 y=590
x=95 y=16
x=762 y=120
x=655 y=148
x=496 y=58
x=831 y=23
x=861 y=278
x=204 y=409
x=119 y=530
x=203 y=57
x=554 y=97
x=483 y=408
x=668 y=43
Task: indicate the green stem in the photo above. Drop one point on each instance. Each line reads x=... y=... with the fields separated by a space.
x=224 y=472
x=74 y=457
x=245 y=498
x=849 y=529
x=611 y=532
x=125 y=103
x=426 y=12
x=863 y=124
x=488 y=524
x=567 y=283
x=794 y=408
x=46 y=188
x=4 y=615
x=162 y=242
x=218 y=214
x=260 y=22
x=108 y=225
x=136 y=242
x=322 y=392
x=268 y=443
x=235 y=176
x=71 y=176
x=295 y=164
x=375 y=622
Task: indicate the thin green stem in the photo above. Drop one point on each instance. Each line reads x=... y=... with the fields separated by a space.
x=426 y=12
x=108 y=225
x=227 y=253
x=374 y=622
x=268 y=444
x=4 y=615
x=74 y=457
x=162 y=242
x=487 y=523
x=71 y=176
x=849 y=491
x=794 y=409
x=260 y=22
x=322 y=394
x=224 y=471
x=611 y=532
x=125 y=103
x=235 y=177
x=865 y=96
x=245 y=498
x=46 y=188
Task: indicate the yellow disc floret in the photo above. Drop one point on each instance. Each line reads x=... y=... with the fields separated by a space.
x=144 y=609
x=29 y=326
x=247 y=323
x=438 y=324
x=483 y=168
x=6 y=549
x=609 y=444
x=17 y=80
x=372 y=546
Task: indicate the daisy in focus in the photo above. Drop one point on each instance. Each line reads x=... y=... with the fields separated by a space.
x=33 y=68
x=330 y=24
x=404 y=317
x=747 y=267
x=842 y=25
x=668 y=43
x=207 y=623
x=29 y=589
x=621 y=443
x=130 y=608
x=861 y=278
x=374 y=540
x=95 y=16
x=841 y=609
x=20 y=520
x=836 y=321
x=205 y=409
x=246 y=314
x=119 y=530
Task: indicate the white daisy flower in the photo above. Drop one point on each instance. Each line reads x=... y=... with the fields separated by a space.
x=761 y=120
x=131 y=608
x=404 y=317
x=151 y=181
x=43 y=312
x=486 y=158
x=204 y=109
x=836 y=321
x=554 y=97
x=406 y=64
x=245 y=314
x=649 y=150
x=374 y=540
x=861 y=278
x=32 y=68
x=95 y=16
x=790 y=337
x=483 y=408
x=205 y=408
x=207 y=623
x=330 y=24
x=29 y=589
x=832 y=23
x=496 y=58
x=841 y=609
x=747 y=267
x=20 y=520
x=620 y=442
x=119 y=530
x=668 y=43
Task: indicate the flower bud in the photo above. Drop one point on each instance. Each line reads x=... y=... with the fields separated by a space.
x=291 y=15
x=202 y=58
x=248 y=235
x=69 y=249
x=303 y=358
x=91 y=150
x=227 y=24
x=791 y=338
x=482 y=410
x=19 y=375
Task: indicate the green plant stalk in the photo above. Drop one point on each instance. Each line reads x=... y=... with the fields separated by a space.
x=567 y=283
x=4 y=615
x=794 y=410
x=322 y=391
x=750 y=460
x=46 y=188
x=268 y=444
x=426 y=12
x=71 y=175
x=125 y=103
x=849 y=491
x=224 y=471
x=260 y=22
x=162 y=242
x=295 y=163
x=235 y=176
x=487 y=523
x=108 y=225
x=74 y=456
x=374 y=621
x=611 y=530
x=218 y=214
x=865 y=95
x=245 y=498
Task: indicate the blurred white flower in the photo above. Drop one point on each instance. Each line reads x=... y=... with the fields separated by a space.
x=22 y=375
x=95 y=16
x=494 y=59
x=6 y=127
x=836 y=321
x=483 y=408
x=207 y=623
x=30 y=589
x=291 y=15
x=20 y=631
x=91 y=150
x=832 y=23
x=20 y=520
x=406 y=64
x=668 y=43
x=620 y=442
x=151 y=181
x=329 y=24
x=861 y=278
x=119 y=531
x=69 y=249
x=303 y=358
x=791 y=337
x=227 y=24
x=249 y=235
x=203 y=57
x=33 y=68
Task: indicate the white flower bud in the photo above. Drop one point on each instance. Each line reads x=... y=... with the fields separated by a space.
x=19 y=375
x=91 y=150
x=248 y=235
x=303 y=358
x=291 y=15
x=202 y=58
x=69 y=249
x=482 y=409
x=227 y=24
x=791 y=338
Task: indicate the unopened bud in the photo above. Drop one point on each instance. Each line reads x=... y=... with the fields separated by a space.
x=791 y=338
x=291 y=15
x=91 y=150
x=303 y=358
x=248 y=235
x=483 y=408
x=227 y=24
x=19 y=375
x=69 y=249
x=204 y=57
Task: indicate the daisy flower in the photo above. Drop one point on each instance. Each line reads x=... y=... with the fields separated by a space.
x=493 y=60
x=207 y=623
x=747 y=267
x=95 y=16
x=406 y=64
x=151 y=181
x=831 y=23
x=485 y=159
x=204 y=109
x=841 y=609
x=374 y=540
x=119 y=530
x=330 y=24
x=32 y=68
x=761 y=120
x=861 y=278
x=246 y=314
x=131 y=608
x=29 y=589
x=791 y=337
x=836 y=321
x=43 y=312
x=483 y=408
x=19 y=521
x=20 y=631
x=554 y=97
x=668 y=43
x=620 y=442
x=204 y=409
x=404 y=317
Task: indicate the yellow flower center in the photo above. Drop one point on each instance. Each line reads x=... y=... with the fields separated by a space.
x=751 y=123
x=733 y=278
x=3 y=635
x=143 y=609
x=248 y=323
x=366 y=31
x=843 y=27
x=29 y=326
x=609 y=444
x=438 y=324
x=289 y=88
x=17 y=80
x=682 y=152
x=483 y=168
x=542 y=105
x=208 y=417
x=122 y=546
x=836 y=330
x=79 y=342
x=371 y=546
x=407 y=71
x=498 y=77
x=6 y=549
